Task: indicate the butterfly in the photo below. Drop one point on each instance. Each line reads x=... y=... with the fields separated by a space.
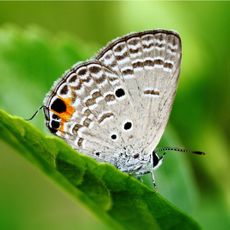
x=115 y=106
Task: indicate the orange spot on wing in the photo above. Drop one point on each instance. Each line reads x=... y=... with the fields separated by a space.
x=66 y=115
x=61 y=128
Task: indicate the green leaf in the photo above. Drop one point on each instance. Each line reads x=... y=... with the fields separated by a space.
x=116 y=198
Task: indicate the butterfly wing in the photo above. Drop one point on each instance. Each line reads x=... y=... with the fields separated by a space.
x=86 y=109
x=148 y=63
x=119 y=100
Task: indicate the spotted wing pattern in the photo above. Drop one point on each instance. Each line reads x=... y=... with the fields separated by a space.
x=118 y=102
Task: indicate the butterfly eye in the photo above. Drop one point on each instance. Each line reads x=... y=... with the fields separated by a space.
x=155 y=159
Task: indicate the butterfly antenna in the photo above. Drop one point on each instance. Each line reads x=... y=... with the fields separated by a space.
x=177 y=149
x=31 y=118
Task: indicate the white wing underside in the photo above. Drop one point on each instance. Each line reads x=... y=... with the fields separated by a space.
x=146 y=67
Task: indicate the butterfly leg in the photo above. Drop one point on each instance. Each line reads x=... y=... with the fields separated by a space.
x=153 y=179
x=140 y=178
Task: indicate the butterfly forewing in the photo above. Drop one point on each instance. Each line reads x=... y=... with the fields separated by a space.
x=148 y=63
x=119 y=102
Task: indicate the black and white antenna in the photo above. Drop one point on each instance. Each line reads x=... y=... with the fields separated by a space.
x=36 y=112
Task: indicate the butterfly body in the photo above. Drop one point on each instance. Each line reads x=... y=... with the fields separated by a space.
x=115 y=107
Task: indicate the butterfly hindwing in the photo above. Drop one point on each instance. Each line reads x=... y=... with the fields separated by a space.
x=97 y=98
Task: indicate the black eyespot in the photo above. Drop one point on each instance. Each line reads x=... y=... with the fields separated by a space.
x=155 y=159
x=97 y=154
x=114 y=136
x=127 y=125
x=120 y=92
x=54 y=116
x=51 y=129
x=58 y=106
x=55 y=124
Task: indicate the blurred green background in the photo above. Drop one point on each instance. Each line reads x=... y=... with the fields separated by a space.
x=40 y=40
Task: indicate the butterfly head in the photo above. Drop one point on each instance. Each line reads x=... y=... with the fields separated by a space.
x=156 y=160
